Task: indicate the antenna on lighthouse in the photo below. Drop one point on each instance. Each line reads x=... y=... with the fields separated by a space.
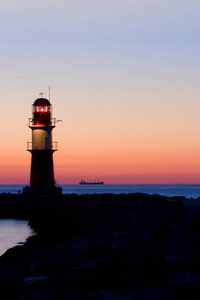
x=49 y=93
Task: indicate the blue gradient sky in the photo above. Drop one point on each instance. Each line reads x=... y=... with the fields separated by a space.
x=124 y=78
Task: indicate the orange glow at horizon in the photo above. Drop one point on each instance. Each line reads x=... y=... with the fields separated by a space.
x=120 y=167
x=120 y=157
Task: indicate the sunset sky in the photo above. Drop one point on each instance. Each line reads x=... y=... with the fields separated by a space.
x=124 y=79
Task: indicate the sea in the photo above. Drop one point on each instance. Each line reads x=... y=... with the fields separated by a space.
x=187 y=190
x=13 y=232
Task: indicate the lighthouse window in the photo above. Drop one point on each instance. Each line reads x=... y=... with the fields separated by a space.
x=42 y=109
x=37 y=108
x=45 y=108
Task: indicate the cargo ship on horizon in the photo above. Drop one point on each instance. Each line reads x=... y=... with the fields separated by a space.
x=83 y=181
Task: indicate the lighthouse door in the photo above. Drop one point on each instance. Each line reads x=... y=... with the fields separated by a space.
x=47 y=142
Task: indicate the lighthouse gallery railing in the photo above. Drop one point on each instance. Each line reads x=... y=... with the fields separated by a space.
x=31 y=122
x=54 y=147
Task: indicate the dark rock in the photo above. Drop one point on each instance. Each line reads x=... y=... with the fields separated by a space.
x=134 y=246
x=102 y=295
x=186 y=277
x=150 y=293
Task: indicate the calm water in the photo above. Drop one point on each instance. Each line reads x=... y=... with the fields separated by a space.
x=13 y=232
x=187 y=190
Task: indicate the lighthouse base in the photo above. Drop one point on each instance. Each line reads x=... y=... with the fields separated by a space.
x=42 y=180
x=34 y=191
x=42 y=173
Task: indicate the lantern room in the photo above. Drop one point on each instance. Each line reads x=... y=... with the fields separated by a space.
x=42 y=111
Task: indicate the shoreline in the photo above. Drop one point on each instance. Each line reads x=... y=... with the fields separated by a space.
x=103 y=246
x=168 y=190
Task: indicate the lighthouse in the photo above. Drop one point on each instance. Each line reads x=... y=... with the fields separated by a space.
x=42 y=147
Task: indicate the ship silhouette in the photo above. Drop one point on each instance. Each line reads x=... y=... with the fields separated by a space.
x=83 y=181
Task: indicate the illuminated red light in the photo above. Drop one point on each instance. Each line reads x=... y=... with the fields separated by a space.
x=42 y=109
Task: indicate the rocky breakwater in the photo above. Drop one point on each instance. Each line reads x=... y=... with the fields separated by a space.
x=106 y=246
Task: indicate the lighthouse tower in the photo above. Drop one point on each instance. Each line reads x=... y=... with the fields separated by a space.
x=42 y=147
